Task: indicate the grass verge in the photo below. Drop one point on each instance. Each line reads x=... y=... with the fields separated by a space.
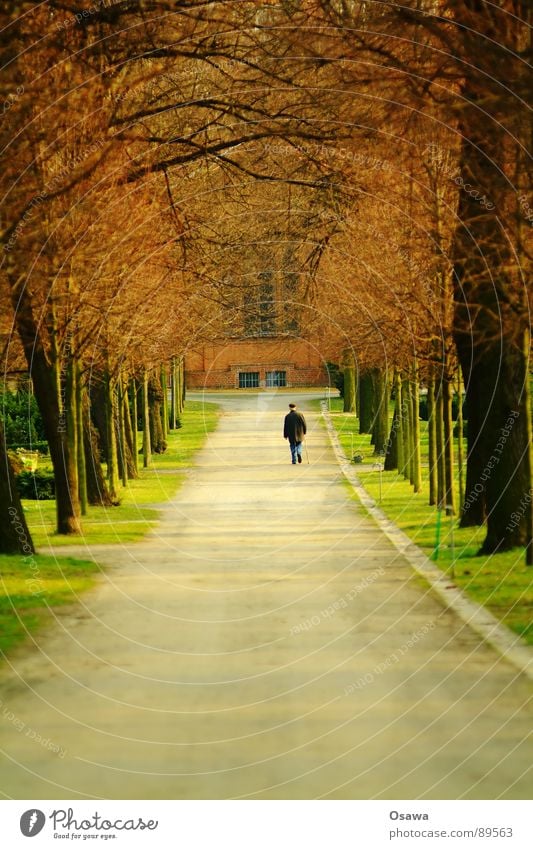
x=32 y=587
x=137 y=512
x=501 y=582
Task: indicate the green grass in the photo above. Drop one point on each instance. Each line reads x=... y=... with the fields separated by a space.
x=137 y=512
x=32 y=587
x=501 y=582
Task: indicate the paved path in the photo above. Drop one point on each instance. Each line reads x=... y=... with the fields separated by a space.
x=266 y=642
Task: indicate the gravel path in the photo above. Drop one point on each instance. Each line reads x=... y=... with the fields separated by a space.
x=267 y=641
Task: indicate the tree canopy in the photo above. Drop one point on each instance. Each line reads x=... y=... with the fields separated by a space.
x=166 y=167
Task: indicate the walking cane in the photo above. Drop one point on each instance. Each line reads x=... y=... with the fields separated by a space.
x=306 y=451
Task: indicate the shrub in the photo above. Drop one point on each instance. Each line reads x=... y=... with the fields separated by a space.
x=41 y=447
x=423 y=408
x=39 y=485
x=23 y=425
x=16 y=463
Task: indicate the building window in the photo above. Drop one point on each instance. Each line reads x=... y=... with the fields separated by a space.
x=248 y=380
x=276 y=378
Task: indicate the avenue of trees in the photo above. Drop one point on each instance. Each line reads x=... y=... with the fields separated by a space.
x=168 y=166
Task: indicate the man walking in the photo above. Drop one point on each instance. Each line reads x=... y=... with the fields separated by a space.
x=294 y=429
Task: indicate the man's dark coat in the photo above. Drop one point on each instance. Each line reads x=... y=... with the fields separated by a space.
x=294 y=428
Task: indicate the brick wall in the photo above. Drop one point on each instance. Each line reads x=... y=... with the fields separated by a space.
x=217 y=365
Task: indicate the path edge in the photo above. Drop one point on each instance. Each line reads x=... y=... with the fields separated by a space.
x=477 y=617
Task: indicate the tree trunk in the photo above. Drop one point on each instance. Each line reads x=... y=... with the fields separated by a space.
x=399 y=407
x=164 y=402
x=527 y=412
x=365 y=405
x=147 y=447
x=439 y=445
x=409 y=458
x=406 y=429
x=98 y=412
x=417 y=463
x=15 y=537
x=130 y=445
x=183 y=385
x=447 y=398
x=491 y=310
x=97 y=491
x=173 y=394
x=180 y=390
x=155 y=401
x=44 y=377
x=111 y=418
x=380 y=426
x=460 y=453
x=349 y=389
x=508 y=482
x=495 y=372
x=432 y=438
x=391 y=456
x=134 y=425
x=82 y=471
x=121 y=433
x=70 y=412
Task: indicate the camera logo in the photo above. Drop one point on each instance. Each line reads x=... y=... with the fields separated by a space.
x=32 y=822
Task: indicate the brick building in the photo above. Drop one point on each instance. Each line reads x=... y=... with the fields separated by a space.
x=253 y=363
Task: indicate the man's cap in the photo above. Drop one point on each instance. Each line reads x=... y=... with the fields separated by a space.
x=292 y=406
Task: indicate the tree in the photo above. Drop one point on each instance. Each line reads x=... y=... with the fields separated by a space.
x=491 y=264
x=15 y=538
